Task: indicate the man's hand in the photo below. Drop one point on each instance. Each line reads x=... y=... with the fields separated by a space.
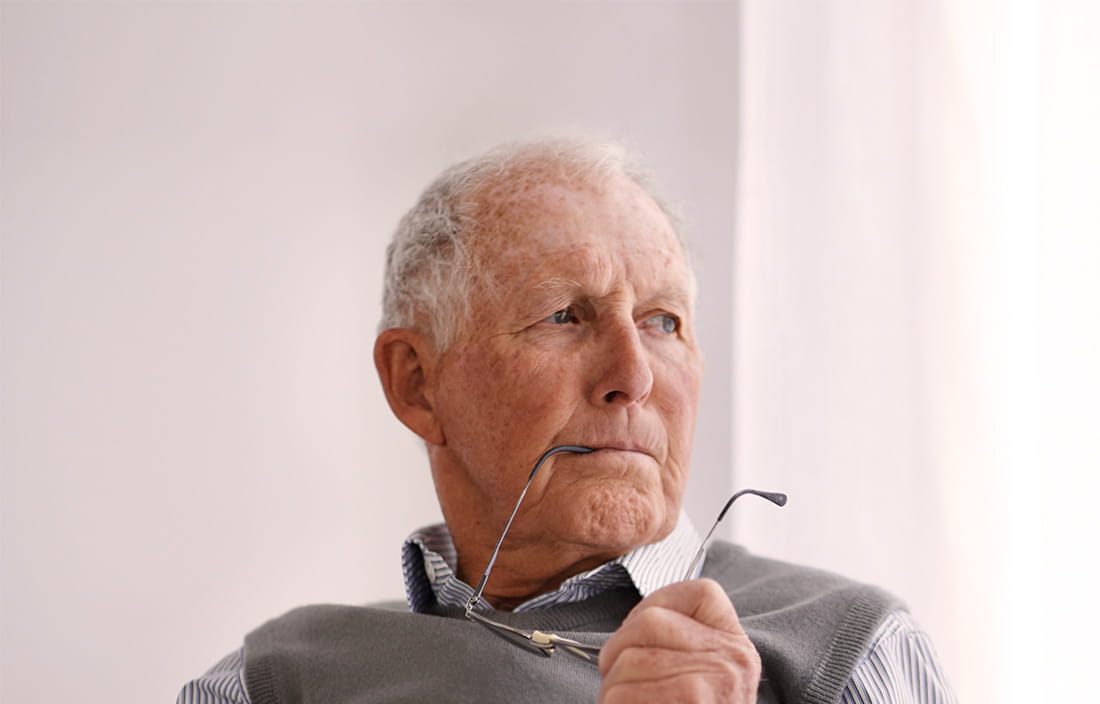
x=682 y=643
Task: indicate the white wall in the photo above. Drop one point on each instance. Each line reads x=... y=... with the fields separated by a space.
x=195 y=200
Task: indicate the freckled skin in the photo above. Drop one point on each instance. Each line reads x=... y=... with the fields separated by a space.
x=579 y=331
x=516 y=382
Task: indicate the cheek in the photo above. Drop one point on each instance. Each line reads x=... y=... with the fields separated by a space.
x=681 y=398
x=502 y=397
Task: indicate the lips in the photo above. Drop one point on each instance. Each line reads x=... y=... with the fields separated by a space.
x=623 y=448
x=646 y=438
x=619 y=447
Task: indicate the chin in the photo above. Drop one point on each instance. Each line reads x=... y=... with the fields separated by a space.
x=621 y=521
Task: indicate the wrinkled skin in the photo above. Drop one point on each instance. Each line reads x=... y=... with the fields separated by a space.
x=580 y=331
x=682 y=643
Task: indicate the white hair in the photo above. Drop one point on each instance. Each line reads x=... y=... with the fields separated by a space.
x=430 y=268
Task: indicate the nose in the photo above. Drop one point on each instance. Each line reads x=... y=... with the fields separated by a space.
x=625 y=376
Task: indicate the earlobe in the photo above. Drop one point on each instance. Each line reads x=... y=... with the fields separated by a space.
x=404 y=360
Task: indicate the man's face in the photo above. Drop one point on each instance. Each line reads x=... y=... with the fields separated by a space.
x=579 y=332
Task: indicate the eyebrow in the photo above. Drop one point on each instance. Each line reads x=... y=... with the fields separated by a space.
x=558 y=286
x=533 y=298
x=678 y=299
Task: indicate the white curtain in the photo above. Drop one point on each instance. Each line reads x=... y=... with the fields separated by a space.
x=913 y=361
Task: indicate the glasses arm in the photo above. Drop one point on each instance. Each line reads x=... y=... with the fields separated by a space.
x=473 y=601
x=547 y=643
x=775 y=497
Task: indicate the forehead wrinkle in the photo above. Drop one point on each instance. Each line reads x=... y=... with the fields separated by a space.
x=602 y=275
x=578 y=267
x=528 y=243
x=557 y=283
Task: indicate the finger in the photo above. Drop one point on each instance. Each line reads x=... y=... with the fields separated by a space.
x=661 y=676
x=685 y=616
x=647 y=664
x=658 y=674
x=702 y=600
x=660 y=627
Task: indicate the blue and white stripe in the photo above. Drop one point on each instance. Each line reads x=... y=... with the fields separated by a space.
x=900 y=666
x=222 y=684
x=429 y=562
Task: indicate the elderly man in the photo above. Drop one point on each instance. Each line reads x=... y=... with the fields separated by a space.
x=538 y=336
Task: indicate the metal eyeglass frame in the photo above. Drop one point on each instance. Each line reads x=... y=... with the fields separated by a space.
x=546 y=644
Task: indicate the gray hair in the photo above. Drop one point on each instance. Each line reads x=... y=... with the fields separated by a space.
x=430 y=268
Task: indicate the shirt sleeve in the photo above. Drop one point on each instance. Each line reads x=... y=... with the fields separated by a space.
x=900 y=667
x=222 y=684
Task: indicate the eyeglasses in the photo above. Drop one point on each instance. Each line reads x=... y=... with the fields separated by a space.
x=546 y=644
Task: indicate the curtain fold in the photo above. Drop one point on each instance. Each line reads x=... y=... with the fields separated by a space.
x=887 y=362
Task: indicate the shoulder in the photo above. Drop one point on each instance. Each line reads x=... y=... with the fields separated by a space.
x=760 y=585
x=221 y=684
x=224 y=683
x=327 y=621
x=811 y=627
x=900 y=666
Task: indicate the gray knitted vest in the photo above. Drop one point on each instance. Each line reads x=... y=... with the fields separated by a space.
x=810 y=628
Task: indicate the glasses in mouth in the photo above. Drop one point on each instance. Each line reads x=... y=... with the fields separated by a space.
x=546 y=644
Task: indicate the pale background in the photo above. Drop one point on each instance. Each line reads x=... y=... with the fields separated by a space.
x=196 y=197
x=196 y=202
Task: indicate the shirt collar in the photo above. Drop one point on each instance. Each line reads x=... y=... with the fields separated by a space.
x=429 y=561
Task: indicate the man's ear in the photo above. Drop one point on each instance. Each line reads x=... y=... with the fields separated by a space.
x=405 y=360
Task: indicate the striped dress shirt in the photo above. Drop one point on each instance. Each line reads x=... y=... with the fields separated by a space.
x=900 y=666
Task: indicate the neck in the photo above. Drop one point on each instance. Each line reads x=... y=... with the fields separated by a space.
x=520 y=574
x=538 y=552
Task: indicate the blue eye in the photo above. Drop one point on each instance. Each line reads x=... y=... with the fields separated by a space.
x=562 y=317
x=665 y=322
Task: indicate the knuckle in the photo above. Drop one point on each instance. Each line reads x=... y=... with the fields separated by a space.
x=710 y=586
x=646 y=674
x=656 y=619
x=695 y=689
x=709 y=590
x=643 y=660
x=743 y=657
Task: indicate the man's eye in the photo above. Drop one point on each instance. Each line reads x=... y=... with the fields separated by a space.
x=665 y=322
x=562 y=317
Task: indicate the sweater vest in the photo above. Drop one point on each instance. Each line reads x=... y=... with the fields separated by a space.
x=810 y=627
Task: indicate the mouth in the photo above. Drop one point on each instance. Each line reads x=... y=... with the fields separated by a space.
x=620 y=449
